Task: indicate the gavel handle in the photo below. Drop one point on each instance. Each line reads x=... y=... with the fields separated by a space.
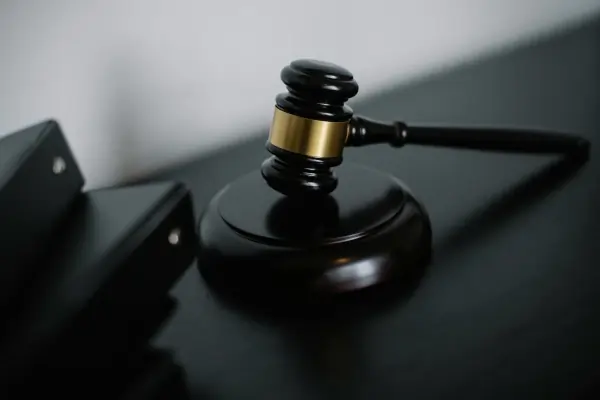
x=364 y=131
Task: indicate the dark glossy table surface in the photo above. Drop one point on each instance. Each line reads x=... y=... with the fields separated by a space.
x=510 y=305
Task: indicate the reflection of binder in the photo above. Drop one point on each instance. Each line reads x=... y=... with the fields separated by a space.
x=158 y=377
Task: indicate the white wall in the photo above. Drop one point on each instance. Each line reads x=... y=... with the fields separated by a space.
x=140 y=84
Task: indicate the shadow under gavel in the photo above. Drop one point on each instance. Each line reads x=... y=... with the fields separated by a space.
x=516 y=199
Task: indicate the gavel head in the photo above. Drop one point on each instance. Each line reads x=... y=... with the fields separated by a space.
x=309 y=128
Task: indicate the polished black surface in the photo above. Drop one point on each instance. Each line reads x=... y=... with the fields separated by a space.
x=156 y=377
x=508 y=308
x=368 y=231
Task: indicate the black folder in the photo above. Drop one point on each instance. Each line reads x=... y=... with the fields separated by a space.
x=103 y=289
x=39 y=181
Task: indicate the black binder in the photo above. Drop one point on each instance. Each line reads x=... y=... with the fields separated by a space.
x=39 y=180
x=103 y=289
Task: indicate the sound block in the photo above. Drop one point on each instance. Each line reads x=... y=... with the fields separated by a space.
x=258 y=242
x=39 y=180
x=104 y=284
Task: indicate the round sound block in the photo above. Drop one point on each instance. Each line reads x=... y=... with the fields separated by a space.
x=369 y=230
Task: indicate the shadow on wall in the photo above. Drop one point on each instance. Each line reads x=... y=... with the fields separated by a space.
x=487 y=84
x=141 y=103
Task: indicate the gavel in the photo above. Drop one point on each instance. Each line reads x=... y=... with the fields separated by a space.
x=312 y=125
x=291 y=227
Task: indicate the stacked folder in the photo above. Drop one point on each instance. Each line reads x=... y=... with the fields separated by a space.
x=85 y=276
